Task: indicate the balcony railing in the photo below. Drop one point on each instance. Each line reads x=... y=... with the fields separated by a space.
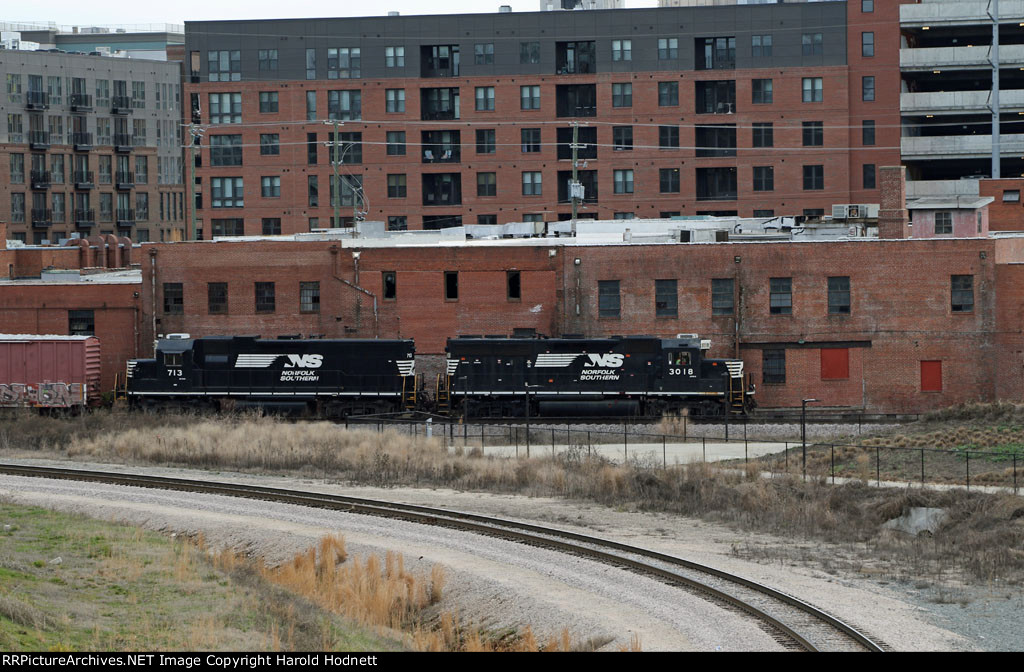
x=83 y=179
x=441 y=154
x=82 y=142
x=37 y=100
x=39 y=139
x=125 y=217
x=122 y=142
x=81 y=102
x=125 y=180
x=85 y=218
x=121 y=105
x=41 y=217
x=40 y=179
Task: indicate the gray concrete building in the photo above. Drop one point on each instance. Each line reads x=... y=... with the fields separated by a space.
x=90 y=145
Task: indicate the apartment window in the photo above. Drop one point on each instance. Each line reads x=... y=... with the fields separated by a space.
x=485 y=98
x=14 y=128
x=530 y=140
x=622 y=50
x=608 y=301
x=867 y=6
x=812 y=89
x=762 y=91
x=624 y=215
x=668 y=48
x=311 y=149
x=668 y=137
x=265 y=297
x=962 y=290
x=869 y=175
x=270 y=144
x=395 y=100
x=773 y=367
x=141 y=170
x=764 y=178
x=1011 y=196
x=224 y=66
x=867 y=133
x=814 y=134
x=217 y=298
x=142 y=206
x=486 y=184
x=485 y=141
x=270 y=187
x=271 y=226
x=780 y=296
x=225 y=108
x=18 y=168
x=349 y=147
x=943 y=222
x=398 y=223
x=394 y=57
x=267 y=59
x=532 y=184
x=309 y=297
x=483 y=54
x=529 y=52
x=390 y=282
x=396 y=143
x=666 y=298
x=174 y=301
x=107 y=207
x=668 y=179
x=486 y=219
x=760 y=46
x=18 y=207
x=722 y=301
x=268 y=102
x=81 y=323
x=227 y=227
x=451 y=285
x=344 y=63
x=529 y=97
x=812 y=44
x=622 y=138
x=867 y=91
x=668 y=94
x=345 y=105
x=226 y=192
x=867 y=44
x=310 y=63
x=839 y=295
x=622 y=95
x=13 y=88
x=623 y=181
x=814 y=178
x=396 y=186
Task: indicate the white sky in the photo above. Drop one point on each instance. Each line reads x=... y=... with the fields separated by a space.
x=108 y=12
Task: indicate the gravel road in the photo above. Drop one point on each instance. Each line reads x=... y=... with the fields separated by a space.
x=499 y=583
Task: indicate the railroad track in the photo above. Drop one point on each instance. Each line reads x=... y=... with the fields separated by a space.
x=794 y=623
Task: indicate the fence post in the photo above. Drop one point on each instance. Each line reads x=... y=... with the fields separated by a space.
x=704 y=447
x=625 y=439
x=664 y=455
x=589 y=444
x=568 y=436
x=833 y=451
x=516 y=429
x=922 y=468
x=1015 y=472
x=968 y=453
x=878 y=467
x=685 y=414
x=552 y=443
x=785 y=452
x=481 y=439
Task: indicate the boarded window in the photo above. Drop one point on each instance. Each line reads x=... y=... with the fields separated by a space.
x=835 y=363
x=931 y=376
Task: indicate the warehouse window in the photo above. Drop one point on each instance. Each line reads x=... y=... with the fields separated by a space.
x=609 y=302
x=174 y=303
x=451 y=285
x=839 y=295
x=390 y=285
x=81 y=323
x=773 y=368
x=962 y=290
x=666 y=301
x=309 y=297
x=780 y=296
x=217 y=298
x=943 y=222
x=515 y=289
x=722 y=301
x=265 y=301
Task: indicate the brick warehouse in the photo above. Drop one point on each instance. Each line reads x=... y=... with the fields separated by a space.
x=682 y=110
x=885 y=325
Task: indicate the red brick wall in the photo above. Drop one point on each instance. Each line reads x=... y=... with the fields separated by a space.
x=1004 y=215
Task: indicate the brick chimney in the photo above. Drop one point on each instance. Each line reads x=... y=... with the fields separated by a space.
x=893 y=220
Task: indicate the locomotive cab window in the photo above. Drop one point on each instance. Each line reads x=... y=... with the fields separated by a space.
x=681 y=358
x=172 y=359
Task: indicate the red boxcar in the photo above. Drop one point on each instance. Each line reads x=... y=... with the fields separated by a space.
x=49 y=371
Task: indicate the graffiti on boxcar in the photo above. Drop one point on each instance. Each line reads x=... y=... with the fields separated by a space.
x=54 y=395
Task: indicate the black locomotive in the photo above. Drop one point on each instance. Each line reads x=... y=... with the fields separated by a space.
x=570 y=377
x=329 y=378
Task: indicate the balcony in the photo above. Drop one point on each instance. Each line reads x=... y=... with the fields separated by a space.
x=39 y=139
x=123 y=143
x=37 y=100
x=83 y=179
x=40 y=179
x=957 y=146
x=962 y=13
x=81 y=102
x=958 y=102
x=82 y=142
x=121 y=105
x=441 y=146
x=125 y=217
x=960 y=58
x=439 y=60
x=125 y=180
x=85 y=219
x=41 y=218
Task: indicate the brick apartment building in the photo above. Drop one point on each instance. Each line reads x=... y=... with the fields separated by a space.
x=743 y=109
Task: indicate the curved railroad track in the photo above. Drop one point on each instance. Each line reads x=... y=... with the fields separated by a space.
x=794 y=623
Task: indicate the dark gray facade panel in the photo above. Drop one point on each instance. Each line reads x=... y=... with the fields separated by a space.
x=291 y=37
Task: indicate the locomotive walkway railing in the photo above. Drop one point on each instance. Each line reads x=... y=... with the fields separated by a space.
x=636 y=444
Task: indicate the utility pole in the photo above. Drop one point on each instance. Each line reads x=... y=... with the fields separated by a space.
x=994 y=15
x=575 y=188
x=334 y=164
x=195 y=134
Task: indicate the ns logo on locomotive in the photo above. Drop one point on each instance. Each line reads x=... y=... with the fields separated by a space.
x=482 y=377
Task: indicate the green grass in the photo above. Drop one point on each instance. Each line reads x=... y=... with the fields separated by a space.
x=1003 y=452
x=120 y=588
